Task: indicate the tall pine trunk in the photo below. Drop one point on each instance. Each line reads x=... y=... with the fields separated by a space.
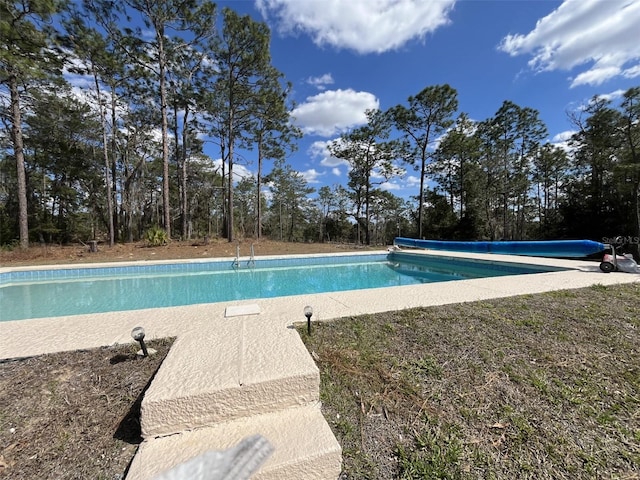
x=114 y=168
x=258 y=187
x=165 y=136
x=105 y=153
x=186 y=231
x=18 y=150
x=230 y=184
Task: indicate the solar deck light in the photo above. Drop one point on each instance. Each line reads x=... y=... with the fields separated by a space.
x=138 y=335
x=308 y=312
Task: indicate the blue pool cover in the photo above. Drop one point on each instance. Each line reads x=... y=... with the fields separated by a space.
x=551 y=248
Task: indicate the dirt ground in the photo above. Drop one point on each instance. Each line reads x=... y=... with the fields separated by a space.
x=55 y=254
x=73 y=415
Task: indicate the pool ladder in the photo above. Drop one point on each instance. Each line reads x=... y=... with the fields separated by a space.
x=252 y=258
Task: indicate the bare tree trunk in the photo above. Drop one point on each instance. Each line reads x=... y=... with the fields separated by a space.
x=114 y=168
x=186 y=231
x=636 y=204
x=230 y=198
x=367 y=235
x=259 y=185
x=105 y=153
x=224 y=190
x=421 y=197
x=165 y=137
x=178 y=159
x=18 y=150
x=230 y=185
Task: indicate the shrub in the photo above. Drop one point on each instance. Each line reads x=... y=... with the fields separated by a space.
x=156 y=236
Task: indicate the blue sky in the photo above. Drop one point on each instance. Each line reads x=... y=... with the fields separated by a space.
x=345 y=56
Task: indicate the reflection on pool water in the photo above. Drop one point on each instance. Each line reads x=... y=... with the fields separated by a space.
x=73 y=291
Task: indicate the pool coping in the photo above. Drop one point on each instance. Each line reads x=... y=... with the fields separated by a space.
x=23 y=338
x=138 y=263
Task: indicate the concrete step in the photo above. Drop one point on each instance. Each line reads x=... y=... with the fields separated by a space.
x=304 y=446
x=232 y=368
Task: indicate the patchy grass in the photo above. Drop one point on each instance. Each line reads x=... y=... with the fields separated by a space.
x=73 y=415
x=535 y=386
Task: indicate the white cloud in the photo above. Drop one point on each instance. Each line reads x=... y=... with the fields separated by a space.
x=389 y=186
x=612 y=95
x=563 y=140
x=320 y=149
x=365 y=26
x=563 y=136
x=311 y=175
x=79 y=81
x=376 y=174
x=76 y=71
x=601 y=34
x=239 y=170
x=595 y=76
x=148 y=34
x=331 y=112
x=632 y=72
x=413 y=181
x=336 y=171
x=321 y=81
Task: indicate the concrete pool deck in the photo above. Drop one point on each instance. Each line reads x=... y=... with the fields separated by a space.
x=238 y=368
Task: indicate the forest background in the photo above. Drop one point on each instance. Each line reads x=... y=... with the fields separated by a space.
x=125 y=161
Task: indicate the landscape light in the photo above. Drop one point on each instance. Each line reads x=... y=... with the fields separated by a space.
x=138 y=335
x=308 y=312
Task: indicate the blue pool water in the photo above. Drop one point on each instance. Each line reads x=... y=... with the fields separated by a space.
x=52 y=293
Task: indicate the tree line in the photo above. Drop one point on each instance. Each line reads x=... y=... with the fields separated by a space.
x=123 y=158
x=125 y=155
x=500 y=178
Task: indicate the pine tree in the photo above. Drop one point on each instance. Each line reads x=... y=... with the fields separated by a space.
x=428 y=116
x=26 y=56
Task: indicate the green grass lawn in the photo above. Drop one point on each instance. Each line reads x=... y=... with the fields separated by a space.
x=535 y=386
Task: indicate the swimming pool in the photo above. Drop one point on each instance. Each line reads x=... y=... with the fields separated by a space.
x=75 y=291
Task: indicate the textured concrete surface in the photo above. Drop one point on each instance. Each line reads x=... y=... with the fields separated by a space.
x=240 y=310
x=229 y=379
x=304 y=446
x=227 y=369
